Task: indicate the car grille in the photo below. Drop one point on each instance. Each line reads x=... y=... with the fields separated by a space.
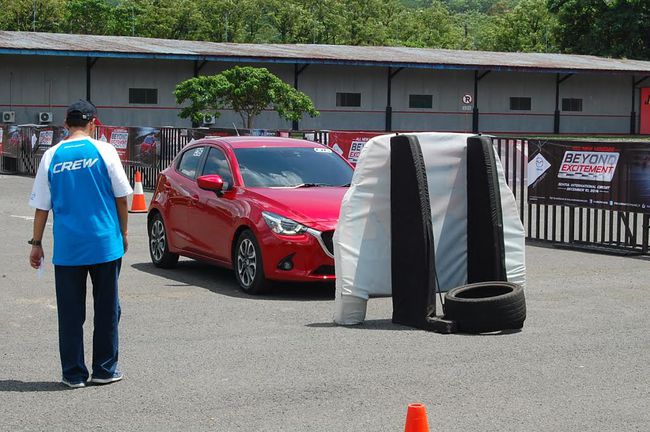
x=328 y=240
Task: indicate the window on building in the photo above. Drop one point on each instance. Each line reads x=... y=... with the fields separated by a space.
x=571 y=104
x=520 y=103
x=143 y=96
x=348 y=99
x=420 y=101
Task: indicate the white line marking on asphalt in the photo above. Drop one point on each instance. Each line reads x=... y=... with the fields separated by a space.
x=29 y=218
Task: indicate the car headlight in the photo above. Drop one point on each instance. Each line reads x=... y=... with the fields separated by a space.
x=283 y=225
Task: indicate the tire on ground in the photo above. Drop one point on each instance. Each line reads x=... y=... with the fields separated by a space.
x=257 y=284
x=486 y=307
x=157 y=235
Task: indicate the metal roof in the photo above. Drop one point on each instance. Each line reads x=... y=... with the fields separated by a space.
x=56 y=44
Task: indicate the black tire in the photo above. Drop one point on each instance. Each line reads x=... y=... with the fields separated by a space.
x=248 y=265
x=486 y=307
x=158 y=245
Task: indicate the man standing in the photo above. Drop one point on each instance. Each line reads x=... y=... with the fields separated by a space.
x=84 y=184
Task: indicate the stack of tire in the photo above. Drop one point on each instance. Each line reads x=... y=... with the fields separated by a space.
x=453 y=227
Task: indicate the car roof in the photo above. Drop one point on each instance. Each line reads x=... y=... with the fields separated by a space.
x=255 y=141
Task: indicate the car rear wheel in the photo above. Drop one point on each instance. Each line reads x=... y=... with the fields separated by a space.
x=158 y=246
x=248 y=266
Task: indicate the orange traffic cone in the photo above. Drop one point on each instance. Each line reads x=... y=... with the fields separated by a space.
x=138 y=204
x=416 y=418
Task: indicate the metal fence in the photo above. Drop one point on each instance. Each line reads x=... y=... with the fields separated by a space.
x=610 y=231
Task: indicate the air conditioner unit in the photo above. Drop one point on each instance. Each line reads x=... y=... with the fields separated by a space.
x=45 y=117
x=8 y=117
x=208 y=119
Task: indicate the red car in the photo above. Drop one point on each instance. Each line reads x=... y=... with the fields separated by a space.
x=264 y=206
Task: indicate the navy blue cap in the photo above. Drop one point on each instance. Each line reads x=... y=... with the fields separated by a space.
x=81 y=110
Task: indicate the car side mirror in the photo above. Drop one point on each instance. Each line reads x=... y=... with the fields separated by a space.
x=211 y=182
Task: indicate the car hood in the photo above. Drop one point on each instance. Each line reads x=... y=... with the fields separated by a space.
x=317 y=207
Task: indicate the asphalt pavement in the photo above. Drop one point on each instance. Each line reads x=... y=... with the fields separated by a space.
x=198 y=355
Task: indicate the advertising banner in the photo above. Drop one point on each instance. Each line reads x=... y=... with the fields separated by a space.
x=262 y=132
x=612 y=175
x=41 y=138
x=12 y=141
x=118 y=137
x=196 y=134
x=145 y=145
x=349 y=144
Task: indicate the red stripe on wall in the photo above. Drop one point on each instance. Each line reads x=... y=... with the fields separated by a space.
x=463 y=113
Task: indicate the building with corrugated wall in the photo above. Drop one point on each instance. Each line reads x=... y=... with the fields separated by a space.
x=355 y=88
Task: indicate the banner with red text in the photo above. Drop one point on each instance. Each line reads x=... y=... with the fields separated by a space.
x=349 y=144
x=118 y=137
x=606 y=175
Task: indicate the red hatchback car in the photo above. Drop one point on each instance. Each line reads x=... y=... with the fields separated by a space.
x=264 y=206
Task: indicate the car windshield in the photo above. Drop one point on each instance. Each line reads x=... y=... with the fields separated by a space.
x=292 y=167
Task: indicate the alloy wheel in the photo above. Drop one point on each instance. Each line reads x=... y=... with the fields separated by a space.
x=157 y=240
x=246 y=262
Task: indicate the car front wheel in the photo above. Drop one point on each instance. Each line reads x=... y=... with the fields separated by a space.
x=158 y=246
x=248 y=266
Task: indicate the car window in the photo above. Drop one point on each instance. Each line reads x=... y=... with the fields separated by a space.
x=216 y=163
x=292 y=167
x=189 y=162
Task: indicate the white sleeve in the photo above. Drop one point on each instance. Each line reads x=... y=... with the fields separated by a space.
x=119 y=180
x=41 y=197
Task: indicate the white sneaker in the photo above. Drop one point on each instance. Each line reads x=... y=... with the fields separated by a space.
x=117 y=376
x=79 y=384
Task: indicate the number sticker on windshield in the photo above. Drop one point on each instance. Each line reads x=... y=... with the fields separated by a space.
x=198 y=152
x=322 y=150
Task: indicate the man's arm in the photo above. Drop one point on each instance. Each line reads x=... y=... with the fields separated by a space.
x=122 y=205
x=36 y=254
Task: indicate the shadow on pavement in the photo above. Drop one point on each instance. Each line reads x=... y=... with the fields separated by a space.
x=222 y=281
x=379 y=324
x=387 y=324
x=35 y=386
x=495 y=333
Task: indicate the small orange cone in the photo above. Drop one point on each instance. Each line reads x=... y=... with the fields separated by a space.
x=416 y=418
x=138 y=204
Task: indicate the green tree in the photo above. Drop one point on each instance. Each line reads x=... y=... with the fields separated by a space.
x=223 y=19
x=245 y=90
x=88 y=17
x=482 y=6
x=367 y=22
x=529 y=27
x=325 y=24
x=617 y=28
x=433 y=27
x=125 y=19
x=18 y=15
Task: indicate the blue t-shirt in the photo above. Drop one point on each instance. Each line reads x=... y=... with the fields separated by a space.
x=79 y=180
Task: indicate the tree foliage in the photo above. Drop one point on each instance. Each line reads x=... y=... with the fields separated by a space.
x=617 y=28
x=247 y=91
x=529 y=27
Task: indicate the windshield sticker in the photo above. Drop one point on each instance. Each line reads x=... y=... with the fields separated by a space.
x=322 y=150
x=198 y=152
